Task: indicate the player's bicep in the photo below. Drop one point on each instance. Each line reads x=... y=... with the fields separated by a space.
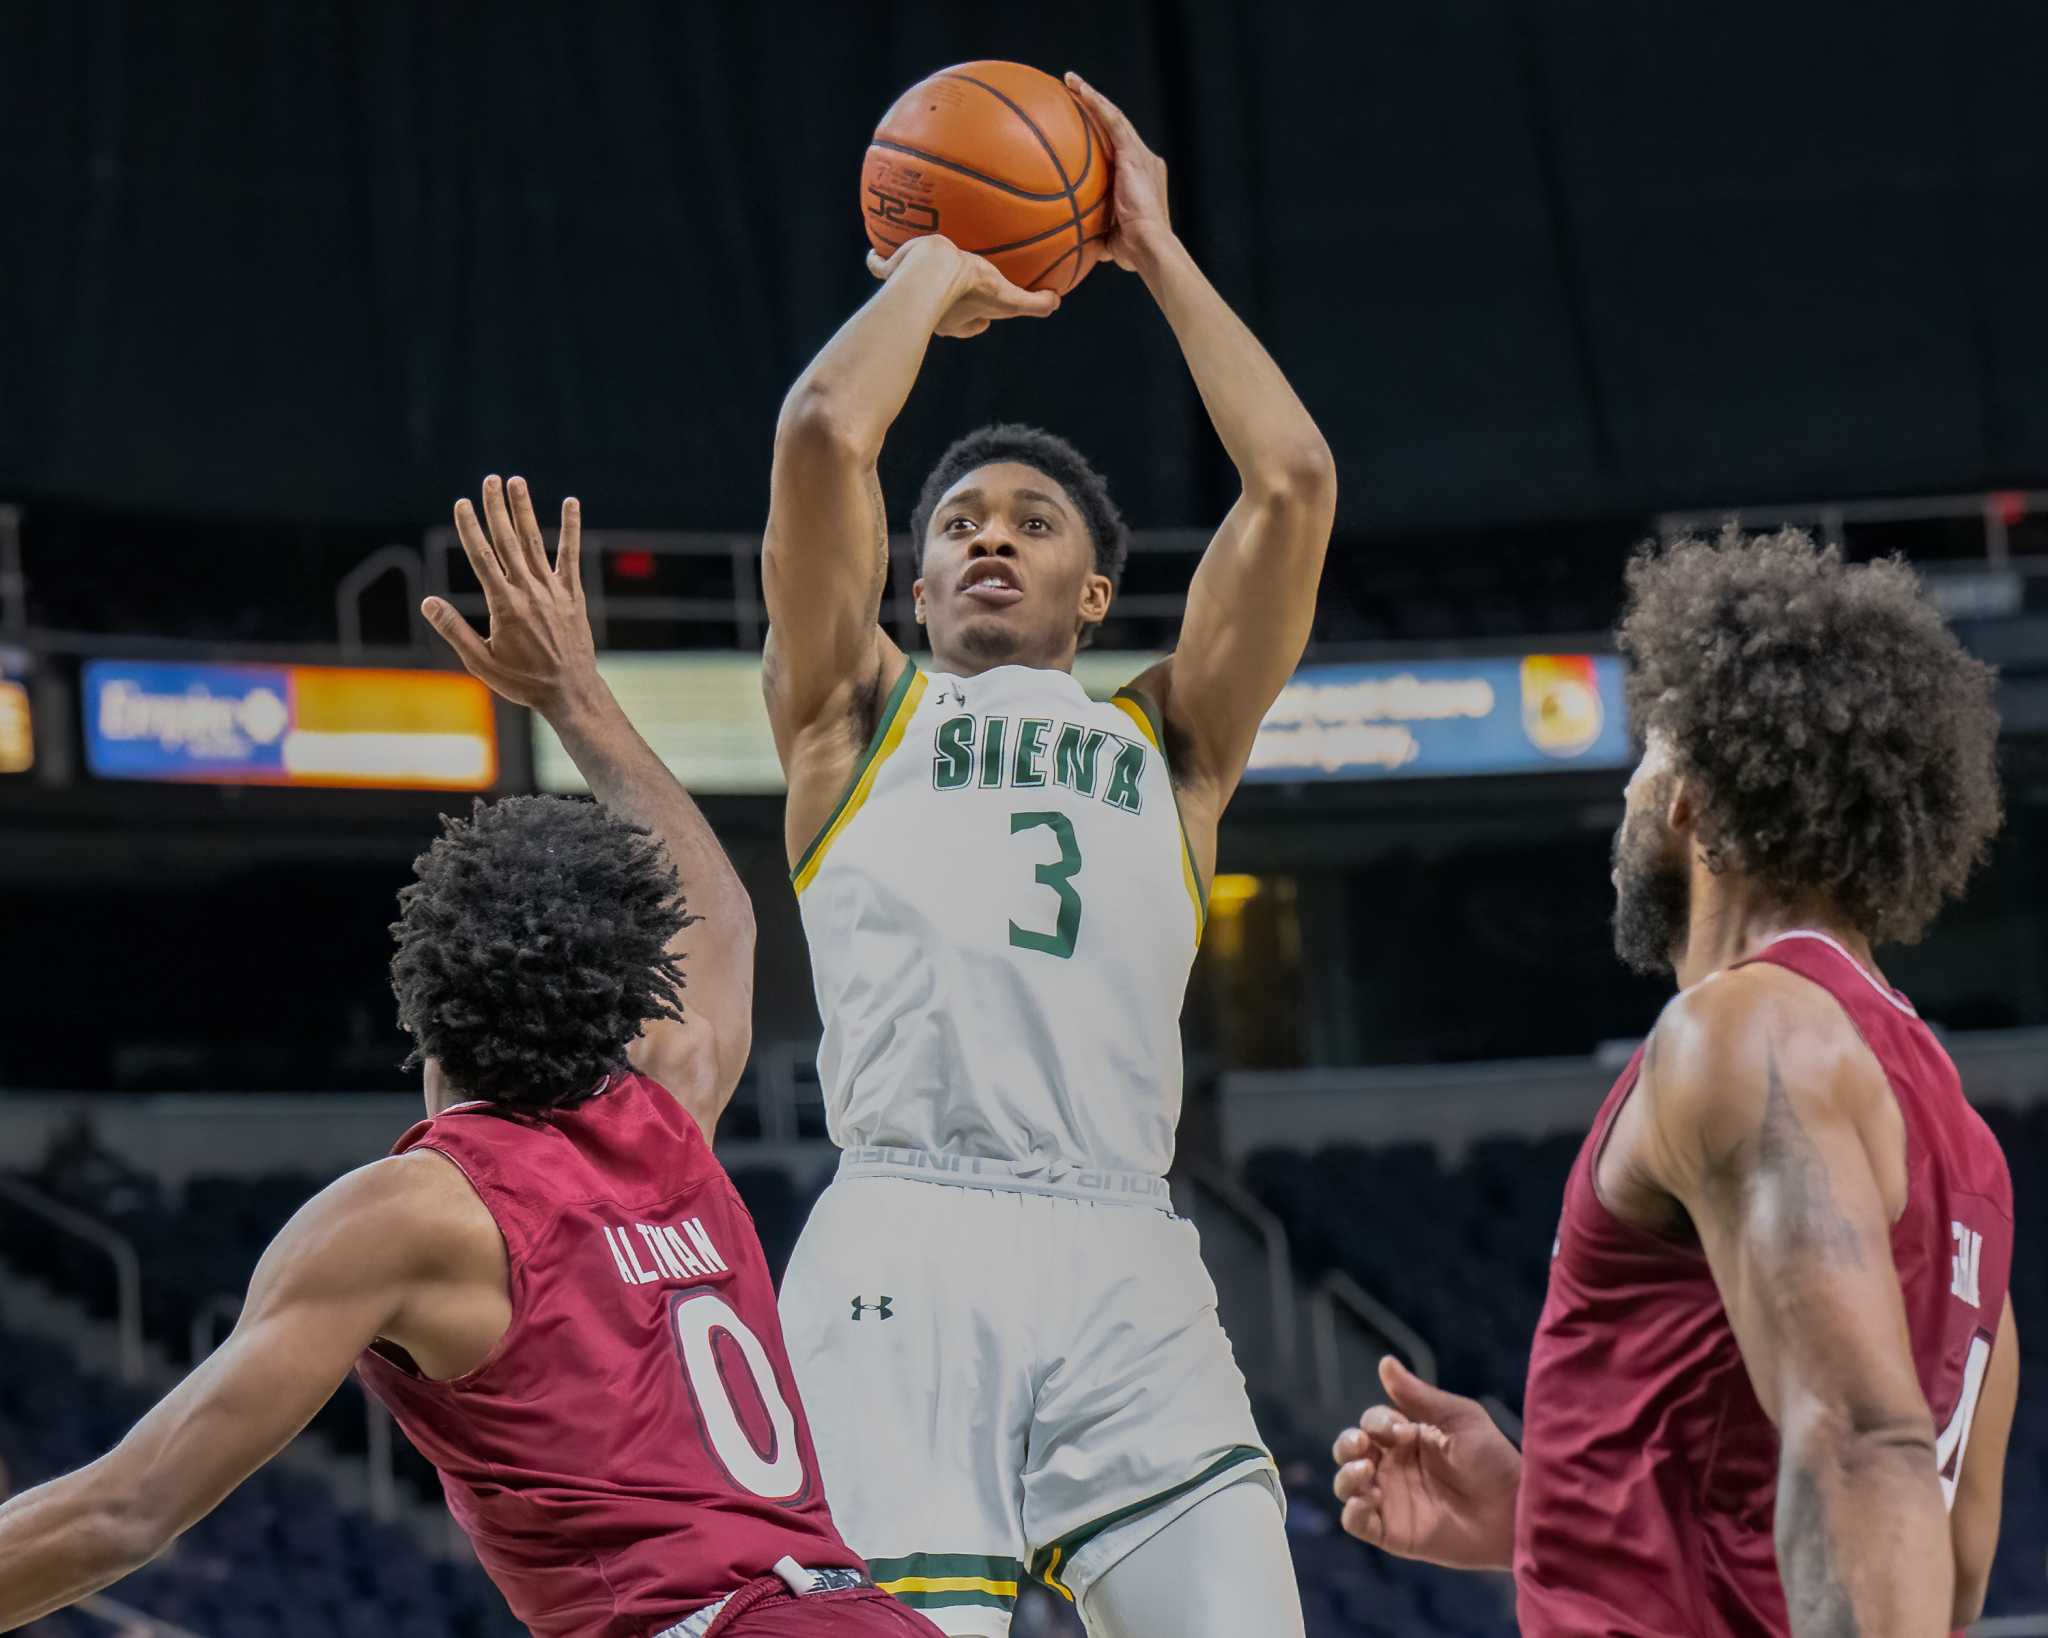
x=694 y=1062
x=1249 y=612
x=824 y=566
x=317 y=1299
x=1980 y=1484
x=1756 y=1103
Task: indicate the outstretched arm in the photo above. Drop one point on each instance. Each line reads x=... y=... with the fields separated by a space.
x=826 y=553
x=1254 y=595
x=1762 y=1101
x=338 y=1275
x=539 y=654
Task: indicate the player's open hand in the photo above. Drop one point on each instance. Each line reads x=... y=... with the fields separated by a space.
x=1139 y=191
x=981 y=295
x=1429 y=1476
x=539 y=650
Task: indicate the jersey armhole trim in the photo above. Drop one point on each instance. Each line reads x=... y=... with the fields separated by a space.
x=1140 y=709
x=515 y=1294
x=895 y=717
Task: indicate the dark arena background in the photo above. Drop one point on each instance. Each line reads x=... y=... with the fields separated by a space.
x=280 y=282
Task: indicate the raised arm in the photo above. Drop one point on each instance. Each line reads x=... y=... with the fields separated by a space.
x=826 y=553
x=1764 y=1104
x=539 y=654
x=348 y=1268
x=1254 y=594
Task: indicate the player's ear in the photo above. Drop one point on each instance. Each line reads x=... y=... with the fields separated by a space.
x=917 y=597
x=1682 y=806
x=1096 y=595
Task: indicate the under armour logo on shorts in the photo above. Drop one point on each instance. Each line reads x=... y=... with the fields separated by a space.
x=881 y=1307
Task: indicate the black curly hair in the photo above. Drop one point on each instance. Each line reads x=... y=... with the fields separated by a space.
x=1048 y=453
x=533 y=946
x=1842 y=740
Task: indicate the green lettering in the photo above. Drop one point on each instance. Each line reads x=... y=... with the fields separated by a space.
x=1031 y=734
x=992 y=751
x=953 y=766
x=1123 y=789
x=1073 y=757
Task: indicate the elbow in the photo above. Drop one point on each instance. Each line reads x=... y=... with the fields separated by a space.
x=120 y=1535
x=1300 y=477
x=132 y=1538
x=817 y=424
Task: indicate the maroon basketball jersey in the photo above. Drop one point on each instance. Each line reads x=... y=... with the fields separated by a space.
x=1649 y=1469
x=634 y=1448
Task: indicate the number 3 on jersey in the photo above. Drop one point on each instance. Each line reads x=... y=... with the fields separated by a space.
x=1059 y=876
x=777 y=1474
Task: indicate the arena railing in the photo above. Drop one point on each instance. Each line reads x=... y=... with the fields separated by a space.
x=1336 y=1296
x=13 y=584
x=1237 y=1202
x=130 y=1622
x=205 y=1333
x=740 y=613
x=119 y=1251
x=380 y=1451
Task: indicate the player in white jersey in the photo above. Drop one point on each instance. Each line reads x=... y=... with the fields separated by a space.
x=1020 y=1369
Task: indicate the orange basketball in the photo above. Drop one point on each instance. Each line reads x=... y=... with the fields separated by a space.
x=1003 y=161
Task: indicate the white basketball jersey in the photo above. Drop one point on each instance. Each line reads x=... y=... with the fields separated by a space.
x=1002 y=913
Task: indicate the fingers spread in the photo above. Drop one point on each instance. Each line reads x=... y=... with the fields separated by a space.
x=476 y=546
x=456 y=631
x=498 y=521
x=533 y=550
x=569 y=551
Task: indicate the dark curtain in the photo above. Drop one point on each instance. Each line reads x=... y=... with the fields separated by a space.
x=1560 y=259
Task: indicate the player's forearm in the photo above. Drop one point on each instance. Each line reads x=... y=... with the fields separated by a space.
x=855 y=388
x=1862 y=1533
x=1265 y=429
x=624 y=774
x=63 y=1541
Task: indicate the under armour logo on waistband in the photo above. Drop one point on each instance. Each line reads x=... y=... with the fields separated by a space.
x=880 y=1307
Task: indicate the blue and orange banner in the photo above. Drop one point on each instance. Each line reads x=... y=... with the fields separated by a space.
x=1425 y=719
x=17 y=719
x=289 y=725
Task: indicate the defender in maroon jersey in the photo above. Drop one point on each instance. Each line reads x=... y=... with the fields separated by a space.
x=1775 y=1374
x=551 y=1283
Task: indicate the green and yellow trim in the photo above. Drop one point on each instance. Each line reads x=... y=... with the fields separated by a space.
x=927 y=1581
x=1140 y=710
x=1046 y=1562
x=897 y=711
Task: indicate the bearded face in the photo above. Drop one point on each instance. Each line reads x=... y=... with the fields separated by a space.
x=1652 y=878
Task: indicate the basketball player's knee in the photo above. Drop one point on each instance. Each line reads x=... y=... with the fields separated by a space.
x=1220 y=1570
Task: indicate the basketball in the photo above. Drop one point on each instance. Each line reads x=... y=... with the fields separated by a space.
x=1002 y=160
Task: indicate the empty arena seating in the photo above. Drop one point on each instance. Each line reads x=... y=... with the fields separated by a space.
x=280 y=1556
x=277 y=1556
x=1472 y=1283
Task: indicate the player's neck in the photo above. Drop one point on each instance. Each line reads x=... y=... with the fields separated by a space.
x=1734 y=917
x=964 y=665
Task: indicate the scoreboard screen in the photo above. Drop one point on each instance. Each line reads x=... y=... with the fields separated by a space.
x=17 y=716
x=1427 y=719
x=288 y=725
